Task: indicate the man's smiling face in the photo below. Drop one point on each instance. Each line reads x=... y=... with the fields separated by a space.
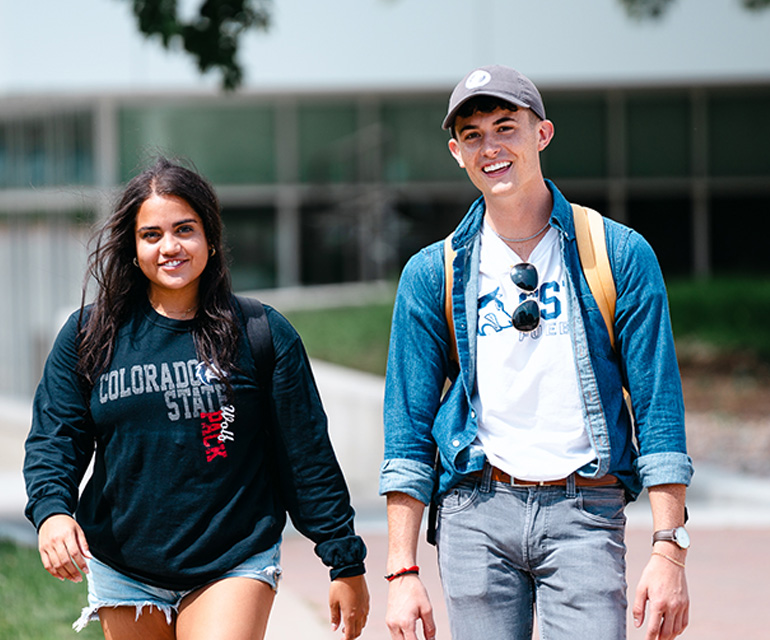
x=500 y=150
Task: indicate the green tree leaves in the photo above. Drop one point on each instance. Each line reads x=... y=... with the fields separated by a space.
x=211 y=37
x=643 y=9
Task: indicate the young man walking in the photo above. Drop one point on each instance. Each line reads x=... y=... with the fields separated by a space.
x=531 y=453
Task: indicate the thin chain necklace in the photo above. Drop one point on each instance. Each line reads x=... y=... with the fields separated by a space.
x=184 y=313
x=532 y=237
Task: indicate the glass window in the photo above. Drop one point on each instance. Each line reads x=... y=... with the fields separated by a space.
x=33 y=154
x=5 y=166
x=415 y=144
x=424 y=221
x=739 y=134
x=658 y=135
x=42 y=259
x=579 y=146
x=330 y=243
x=82 y=165
x=329 y=149
x=250 y=238
x=229 y=144
x=740 y=227
x=53 y=150
x=666 y=223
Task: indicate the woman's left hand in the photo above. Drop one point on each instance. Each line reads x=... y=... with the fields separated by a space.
x=349 y=605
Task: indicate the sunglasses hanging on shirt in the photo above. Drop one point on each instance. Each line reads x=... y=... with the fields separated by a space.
x=526 y=317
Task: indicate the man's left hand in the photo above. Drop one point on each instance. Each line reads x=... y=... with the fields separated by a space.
x=662 y=594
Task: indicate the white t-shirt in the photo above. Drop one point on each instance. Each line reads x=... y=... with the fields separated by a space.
x=528 y=403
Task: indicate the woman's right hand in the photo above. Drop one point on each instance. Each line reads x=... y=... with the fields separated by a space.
x=63 y=547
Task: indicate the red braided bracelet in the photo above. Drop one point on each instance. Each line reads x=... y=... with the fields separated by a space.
x=415 y=570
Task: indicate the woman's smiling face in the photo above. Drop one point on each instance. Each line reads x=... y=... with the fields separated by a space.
x=171 y=246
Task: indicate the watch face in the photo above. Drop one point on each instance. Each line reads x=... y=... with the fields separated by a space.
x=681 y=537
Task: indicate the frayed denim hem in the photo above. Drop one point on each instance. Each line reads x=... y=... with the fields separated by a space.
x=271 y=576
x=91 y=613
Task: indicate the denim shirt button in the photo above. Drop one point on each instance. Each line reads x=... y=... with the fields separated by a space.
x=473 y=413
x=455 y=443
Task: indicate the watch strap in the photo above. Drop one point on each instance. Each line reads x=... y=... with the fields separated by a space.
x=677 y=535
x=664 y=535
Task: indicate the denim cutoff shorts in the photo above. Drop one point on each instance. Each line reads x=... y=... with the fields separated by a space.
x=110 y=588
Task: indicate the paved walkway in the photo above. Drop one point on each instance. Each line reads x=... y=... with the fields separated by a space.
x=728 y=564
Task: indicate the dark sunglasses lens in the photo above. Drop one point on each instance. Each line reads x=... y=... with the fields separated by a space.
x=526 y=317
x=524 y=276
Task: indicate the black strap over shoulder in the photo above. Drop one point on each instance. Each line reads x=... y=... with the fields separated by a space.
x=261 y=343
x=260 y=338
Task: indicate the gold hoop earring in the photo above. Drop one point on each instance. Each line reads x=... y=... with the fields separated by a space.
x=212 y=252
x=136 y=263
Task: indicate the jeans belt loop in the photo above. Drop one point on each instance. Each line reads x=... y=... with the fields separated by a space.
x=486 y=478
x=571 y=486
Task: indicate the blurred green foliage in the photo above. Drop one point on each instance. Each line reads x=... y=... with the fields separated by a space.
x=212 y=37
x=728 y=312
x=354 y=337
x=36 y=605
x=646 y=9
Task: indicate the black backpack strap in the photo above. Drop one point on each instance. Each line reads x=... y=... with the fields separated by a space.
x=430 y=532
x=260 y=338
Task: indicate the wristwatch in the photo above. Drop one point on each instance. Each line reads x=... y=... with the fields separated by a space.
x=678 y=536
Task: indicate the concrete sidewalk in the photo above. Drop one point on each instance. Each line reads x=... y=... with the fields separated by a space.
x=727 y=579
x=727 y=565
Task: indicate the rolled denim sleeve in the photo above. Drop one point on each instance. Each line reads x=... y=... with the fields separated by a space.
x=664 y=468
x=646 y=344
x=415 y=479
x=417 y=369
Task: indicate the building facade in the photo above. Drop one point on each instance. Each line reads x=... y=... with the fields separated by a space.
x=323 y=187
x=332 y=167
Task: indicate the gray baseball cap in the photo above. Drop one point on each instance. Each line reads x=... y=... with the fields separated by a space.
x=499 y=82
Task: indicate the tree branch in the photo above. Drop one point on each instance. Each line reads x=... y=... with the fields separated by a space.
x=212 y=37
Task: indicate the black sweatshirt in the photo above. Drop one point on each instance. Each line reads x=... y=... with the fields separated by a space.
x=187 y=483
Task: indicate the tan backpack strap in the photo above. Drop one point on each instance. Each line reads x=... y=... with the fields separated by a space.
x=592 y=247
x=449 y=256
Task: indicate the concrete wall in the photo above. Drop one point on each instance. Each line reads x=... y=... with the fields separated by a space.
x=353 y=403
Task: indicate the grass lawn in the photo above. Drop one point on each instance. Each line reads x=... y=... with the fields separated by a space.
x=355 y=337
x=36 y=606
x=728 y=313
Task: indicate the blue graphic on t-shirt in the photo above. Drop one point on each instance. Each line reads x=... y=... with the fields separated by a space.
x=493 y=316
x=497 y=318
x=550 y=305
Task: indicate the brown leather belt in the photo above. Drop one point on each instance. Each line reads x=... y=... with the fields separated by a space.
x=499 y=475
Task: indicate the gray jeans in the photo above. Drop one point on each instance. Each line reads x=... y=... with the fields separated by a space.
x=506 y=551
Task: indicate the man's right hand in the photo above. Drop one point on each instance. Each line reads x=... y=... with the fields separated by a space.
x=63 y=547
x=408 y=602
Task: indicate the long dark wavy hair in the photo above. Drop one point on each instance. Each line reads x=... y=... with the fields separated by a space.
x=122 y=287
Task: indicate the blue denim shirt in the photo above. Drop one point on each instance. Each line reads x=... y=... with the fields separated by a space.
x=419 y=420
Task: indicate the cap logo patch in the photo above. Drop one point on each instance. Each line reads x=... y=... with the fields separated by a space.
x=477 y=79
